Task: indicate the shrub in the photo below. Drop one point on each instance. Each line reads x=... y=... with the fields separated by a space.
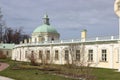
x=2 y=56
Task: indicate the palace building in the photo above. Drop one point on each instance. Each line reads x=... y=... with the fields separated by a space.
x=46 y=46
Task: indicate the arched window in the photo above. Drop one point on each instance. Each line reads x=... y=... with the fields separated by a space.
x=77 y=55
x=66 y=55
x=40 y=54
x=48 y=55
x=52 y=39
x=56 y=55
x=32 y=52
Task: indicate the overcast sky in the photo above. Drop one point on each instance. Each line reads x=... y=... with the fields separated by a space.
x=69 y=17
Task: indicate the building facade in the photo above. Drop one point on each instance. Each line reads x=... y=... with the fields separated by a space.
x=46 y=46
x=6 y=50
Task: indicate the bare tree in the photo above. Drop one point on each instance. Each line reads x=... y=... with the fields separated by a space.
x=2 y=26
x=19 y=36
x=84 y=66
x=14 y=36
x=33 y=58
x=71 y=61
x=10 y=35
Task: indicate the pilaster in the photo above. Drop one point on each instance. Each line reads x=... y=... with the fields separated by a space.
x=119 y=55
x=96 y=55
x=111 y=56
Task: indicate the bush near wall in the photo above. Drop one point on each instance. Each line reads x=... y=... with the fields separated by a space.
x=2 y=56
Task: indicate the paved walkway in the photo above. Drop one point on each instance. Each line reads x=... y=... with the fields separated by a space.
x=5 y=78
x=2 y=67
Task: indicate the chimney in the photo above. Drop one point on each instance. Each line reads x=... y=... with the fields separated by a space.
x=83 y=35
x=25 y=41
x=30 y=40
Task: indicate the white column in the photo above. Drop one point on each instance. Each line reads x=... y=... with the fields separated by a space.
x=22 y=53
x=44 y=56
x=61 y=56
x=51 y=55
x=13 y=54
x=111 y=56
x=46 y=38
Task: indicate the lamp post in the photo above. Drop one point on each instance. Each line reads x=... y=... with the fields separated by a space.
x=117 y=11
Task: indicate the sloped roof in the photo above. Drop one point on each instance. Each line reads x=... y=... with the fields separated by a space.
x=6 y=46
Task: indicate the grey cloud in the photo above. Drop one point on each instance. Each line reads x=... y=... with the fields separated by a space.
x=95 y=15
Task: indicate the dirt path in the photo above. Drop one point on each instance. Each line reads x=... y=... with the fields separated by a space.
x=2 y=67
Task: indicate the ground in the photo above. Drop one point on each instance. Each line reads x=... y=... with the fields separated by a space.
x=2 y=67
x=37 y=74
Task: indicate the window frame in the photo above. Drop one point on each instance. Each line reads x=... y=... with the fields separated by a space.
x=77 y=55
x=40 y=54
x=48 y=54
x=104 y=55
x=90 y=55
x=66 y=57
x=56 y=55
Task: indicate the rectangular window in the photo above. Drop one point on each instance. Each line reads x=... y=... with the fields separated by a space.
x=104 y=55
x=90 y=55
x=26 y=54
x=77 y=55
x=56 y=55
x=48 y=55
x=66 y=55
x=40 y=55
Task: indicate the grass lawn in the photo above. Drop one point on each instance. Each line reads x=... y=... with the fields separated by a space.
x=106 y=74
x=101 y=74
x=28 y=74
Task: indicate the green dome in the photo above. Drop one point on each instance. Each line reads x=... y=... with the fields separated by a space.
x=45 y=28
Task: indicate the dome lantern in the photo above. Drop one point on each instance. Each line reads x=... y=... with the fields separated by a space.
x=45 y=27
x=46 y=19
